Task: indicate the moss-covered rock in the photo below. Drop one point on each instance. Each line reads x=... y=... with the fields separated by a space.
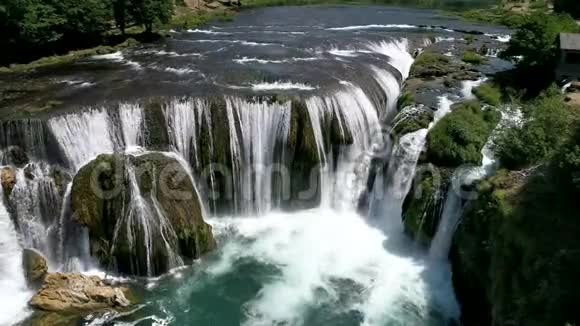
x=430 y=65
x=515 y=254
x=411 y=119
x=459 y=137
x=142 y=230
x=424 y=202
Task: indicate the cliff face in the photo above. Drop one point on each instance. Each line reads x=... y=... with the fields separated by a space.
x=516 y=253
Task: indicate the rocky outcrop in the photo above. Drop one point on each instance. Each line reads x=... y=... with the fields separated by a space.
x=143 y=213
x=8 y=179
x=74 y=292
x=423 y=204
x=35 y=267
x=515 y=255
x=412 y=118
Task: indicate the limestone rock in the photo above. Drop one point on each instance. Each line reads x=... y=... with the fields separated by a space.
x=74 y=292
x=34 y=265
x=213 y=5
x=8 y=179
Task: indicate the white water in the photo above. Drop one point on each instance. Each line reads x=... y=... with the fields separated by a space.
x=282 y=85
x=246 y=60
x=372 y=26
x=323 y=254
x=261 y=126
x=15 y=294
x=456 y=198
x=131 y=119
x=357 y=116
x=83 y=136
x=398 y=53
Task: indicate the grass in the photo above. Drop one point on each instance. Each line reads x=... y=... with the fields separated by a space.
x=473 y=57
x=488 y=93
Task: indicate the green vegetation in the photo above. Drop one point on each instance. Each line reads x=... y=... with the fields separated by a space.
x=496 y=15
x=459 y=137
x=33 y=28
x=473 y=57
x=488 y=93
x=536 y=41
x=549 y=123
x=430 y=64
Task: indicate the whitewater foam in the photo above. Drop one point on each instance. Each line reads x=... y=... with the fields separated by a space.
x=348 y=257
x=372 y=26
x=245 y=60
x=281 y=85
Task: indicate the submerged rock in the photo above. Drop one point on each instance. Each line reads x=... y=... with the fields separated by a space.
x=35 y=267
x=74 y=292
x=143 y=213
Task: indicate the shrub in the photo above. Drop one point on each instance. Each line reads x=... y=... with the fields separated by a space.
x=547 y=127
x=473 y=57
x=488 y=93
x=459 y=137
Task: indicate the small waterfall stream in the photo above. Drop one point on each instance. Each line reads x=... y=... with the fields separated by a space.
x=15 y=293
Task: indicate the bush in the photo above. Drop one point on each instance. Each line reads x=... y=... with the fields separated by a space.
x=459 y=137
x=488 y=93
x=473 y=57
x=535 y=43
x=548 y=126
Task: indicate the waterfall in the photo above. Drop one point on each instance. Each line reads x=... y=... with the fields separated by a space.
x=131 y=115
x=142 y=223
x=456 y=197
x=261 y=127
x=15 y=293
x=358 y=118
x=83 y=136
x=398 y=53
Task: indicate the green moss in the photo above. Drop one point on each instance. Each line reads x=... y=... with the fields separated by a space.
x=430 y=64
x=473 y=57
x=459 y=137
x=489 y=93
x=407 y=98
x=411 y=120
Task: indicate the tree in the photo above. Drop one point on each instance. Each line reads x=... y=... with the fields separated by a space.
x=569 y=6
x=535 y=43
x=149 y=12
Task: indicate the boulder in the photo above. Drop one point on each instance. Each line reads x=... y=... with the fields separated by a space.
x=75 y=292
x=143 y=213
x=8 y=179
x=213 y=5
x=35 y=267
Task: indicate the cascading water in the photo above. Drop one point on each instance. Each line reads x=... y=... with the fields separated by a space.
x=261 y=127
x=321 y=266
x=456 y=197
x=15 y=293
